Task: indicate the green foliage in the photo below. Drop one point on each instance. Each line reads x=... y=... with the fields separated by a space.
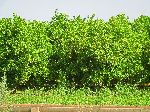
x=124 y=49
x=122 y=95
x=3 y=91
x=25 y=50
x=74 y=58
x=77 y=52
x=141 y=28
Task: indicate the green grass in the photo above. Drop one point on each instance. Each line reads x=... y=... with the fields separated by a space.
x=123 y=95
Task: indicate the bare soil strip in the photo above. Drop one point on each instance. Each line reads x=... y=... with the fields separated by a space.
x=73 y=108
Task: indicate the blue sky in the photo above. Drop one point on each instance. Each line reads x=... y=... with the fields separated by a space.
x=44 y=9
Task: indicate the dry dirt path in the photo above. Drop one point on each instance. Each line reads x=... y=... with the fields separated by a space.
x=74 y=108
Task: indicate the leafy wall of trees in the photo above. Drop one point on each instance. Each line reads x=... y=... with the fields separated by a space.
x=77 y=52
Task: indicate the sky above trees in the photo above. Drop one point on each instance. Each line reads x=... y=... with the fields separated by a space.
x=44 y=9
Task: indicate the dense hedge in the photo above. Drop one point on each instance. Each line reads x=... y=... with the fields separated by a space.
x=75 y=52
x=25 y=50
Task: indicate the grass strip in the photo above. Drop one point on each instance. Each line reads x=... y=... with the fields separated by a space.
x=122 y=95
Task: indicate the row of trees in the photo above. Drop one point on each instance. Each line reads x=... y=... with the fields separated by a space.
x=75 y=52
